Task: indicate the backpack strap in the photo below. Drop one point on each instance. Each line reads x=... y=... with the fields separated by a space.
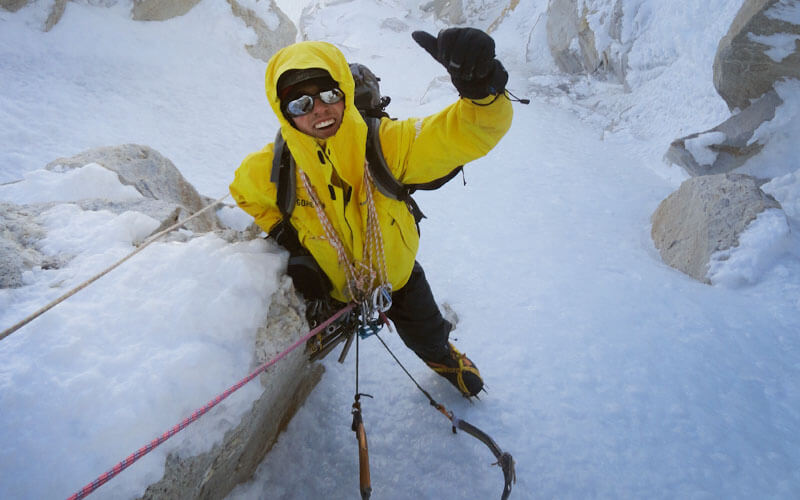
x=436 y=183
x=384 y=179
x=283 y=175
x=308 y=277
x=283 y=169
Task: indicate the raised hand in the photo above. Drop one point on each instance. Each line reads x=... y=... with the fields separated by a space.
x=468 y=56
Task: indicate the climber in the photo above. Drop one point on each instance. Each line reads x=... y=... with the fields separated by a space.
x=346 y=240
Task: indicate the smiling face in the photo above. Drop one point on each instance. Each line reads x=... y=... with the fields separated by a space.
x=324 y=120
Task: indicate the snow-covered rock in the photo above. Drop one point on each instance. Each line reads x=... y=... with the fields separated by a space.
x=449 y=11
x=706 y=215
x=766 y=238
x=760 y=49
x=726 y=146
x=585 y=38
x=50 y=10
x=17 y=253
x=757 y=55
x=124 y=194
x=274 y=30
x=13 y=5
x=153 y=176
x=160 y=10
x=215 y=473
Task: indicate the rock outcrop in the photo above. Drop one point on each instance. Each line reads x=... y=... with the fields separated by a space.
x=160 y=10
x=54 y=11
x=272 y=27
x=726 y=146
x=760 y=48
x=572 y=40
x=168 y=196
x=19 y=232
x=449 y=11
x=13 y=5
x=706 y=215
x=153 y=175
x=214 y=474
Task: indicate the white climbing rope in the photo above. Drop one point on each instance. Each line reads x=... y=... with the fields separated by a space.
x=91 y=280
x=364 y=279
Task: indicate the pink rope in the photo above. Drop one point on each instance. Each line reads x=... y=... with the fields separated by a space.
x=144 y=450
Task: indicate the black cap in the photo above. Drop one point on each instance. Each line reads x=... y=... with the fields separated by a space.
x=292 y=77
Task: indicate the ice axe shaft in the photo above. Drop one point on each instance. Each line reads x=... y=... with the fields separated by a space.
x=364 y=482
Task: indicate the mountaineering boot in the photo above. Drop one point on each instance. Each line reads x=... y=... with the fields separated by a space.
x=459 y=370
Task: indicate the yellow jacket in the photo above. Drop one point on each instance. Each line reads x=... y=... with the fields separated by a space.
x=416 y=151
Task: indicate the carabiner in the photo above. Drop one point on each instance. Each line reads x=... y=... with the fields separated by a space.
x=382 y=298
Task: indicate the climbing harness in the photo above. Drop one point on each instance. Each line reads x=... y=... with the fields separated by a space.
x=5 y=333
x=364 y=322
x=367 y=282
x=326 y=340
x=144 y=450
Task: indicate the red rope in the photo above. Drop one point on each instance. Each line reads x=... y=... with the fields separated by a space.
x=144 y=450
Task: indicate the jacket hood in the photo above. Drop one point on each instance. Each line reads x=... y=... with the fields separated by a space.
x=346 y=148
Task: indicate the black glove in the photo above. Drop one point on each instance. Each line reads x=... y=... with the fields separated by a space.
x=308 y=278
x=468 y=55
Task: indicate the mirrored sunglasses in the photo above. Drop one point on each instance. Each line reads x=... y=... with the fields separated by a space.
x=305 y=103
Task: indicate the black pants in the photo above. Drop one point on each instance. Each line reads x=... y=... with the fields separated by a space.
x=417 y=318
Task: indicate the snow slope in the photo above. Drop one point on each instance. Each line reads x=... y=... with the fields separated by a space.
x=610 y=375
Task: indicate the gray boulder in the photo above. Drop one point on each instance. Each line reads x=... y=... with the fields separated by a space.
x=19 y=232
x=55 y=10
x=758 y=49
x=270 y=39
x=13 y=5
x=153 y=175
x=160 y=10
x=449 y=11
x=214 y=474
x=572 y=42
x=726 y=146
x=272 y=27
x=706 y=215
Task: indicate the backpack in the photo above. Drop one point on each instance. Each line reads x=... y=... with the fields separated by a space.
x=372 y=106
